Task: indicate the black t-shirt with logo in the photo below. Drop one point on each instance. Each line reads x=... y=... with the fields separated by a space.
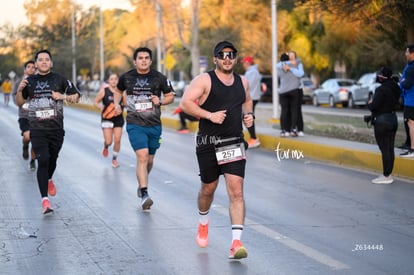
x=45 y=112
x=139 y=89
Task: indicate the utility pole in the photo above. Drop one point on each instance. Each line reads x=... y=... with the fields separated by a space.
x=101 y=43
x=159 y=62
x=73 y=45
x=275 y=94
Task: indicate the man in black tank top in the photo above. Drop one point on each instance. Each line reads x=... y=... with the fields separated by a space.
x=224 y=105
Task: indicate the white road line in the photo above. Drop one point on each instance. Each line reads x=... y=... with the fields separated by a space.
x=299 y=247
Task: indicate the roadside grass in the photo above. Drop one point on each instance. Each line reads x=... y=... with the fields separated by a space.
x=334 y=126
x=347 y=128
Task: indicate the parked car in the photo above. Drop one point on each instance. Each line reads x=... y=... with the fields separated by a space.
x=363 y=91
x=333 y=91
x=308 y=87
x=267 y=90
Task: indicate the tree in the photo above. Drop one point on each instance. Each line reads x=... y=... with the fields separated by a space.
x=377 y=31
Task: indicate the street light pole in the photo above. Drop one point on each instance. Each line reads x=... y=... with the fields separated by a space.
x=158 y=9
x=73 y=45
x=101 y=43
x=275 y=94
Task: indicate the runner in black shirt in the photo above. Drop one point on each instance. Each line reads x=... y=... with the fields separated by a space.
x=146 y=91
x=29 y=69
x=45 y=93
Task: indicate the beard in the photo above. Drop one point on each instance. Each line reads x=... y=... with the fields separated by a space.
x=224 y=70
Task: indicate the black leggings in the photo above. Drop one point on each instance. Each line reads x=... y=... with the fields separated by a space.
x=289 y=113
x=252 y=130
x=385 y=128
x=46 y=145
x=184 y=117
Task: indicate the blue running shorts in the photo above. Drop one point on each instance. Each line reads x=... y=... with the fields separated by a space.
x=142 y=137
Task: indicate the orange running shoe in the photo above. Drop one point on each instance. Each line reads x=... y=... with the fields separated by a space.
x=51 y=189
x=183 y=131
x=253 y=143
x=46 y=206
x=202 y=235
x=115 y=163
x=105 y=152
x=237 y=250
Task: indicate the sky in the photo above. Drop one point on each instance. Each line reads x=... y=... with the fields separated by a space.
x=14 y=13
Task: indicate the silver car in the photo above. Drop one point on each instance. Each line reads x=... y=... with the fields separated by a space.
x=307 y=86
x=333 y=91
x=363 y=91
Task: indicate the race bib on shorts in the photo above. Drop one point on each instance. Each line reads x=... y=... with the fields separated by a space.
x=230 y=153
x=107 y=124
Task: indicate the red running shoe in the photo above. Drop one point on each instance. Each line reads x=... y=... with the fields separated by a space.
x=105 y=152
x=115 y=163
x=46 y=206
x=51 y=188
x=202 y=235
x=183 y=131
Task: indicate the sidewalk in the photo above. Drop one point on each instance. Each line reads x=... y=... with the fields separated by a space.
x=342 y=152
x=347 y=153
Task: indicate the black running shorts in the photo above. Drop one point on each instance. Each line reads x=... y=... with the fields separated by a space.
x=24 y=124
x=408 y=112
x=209 y=168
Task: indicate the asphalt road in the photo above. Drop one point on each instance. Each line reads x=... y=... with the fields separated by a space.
x=303 y=217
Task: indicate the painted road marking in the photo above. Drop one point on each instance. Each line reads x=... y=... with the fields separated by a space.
x=295 y=245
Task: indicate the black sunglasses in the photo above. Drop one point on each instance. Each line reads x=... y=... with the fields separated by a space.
x=223 y=55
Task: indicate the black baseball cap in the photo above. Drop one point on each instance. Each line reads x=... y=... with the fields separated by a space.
x=385 y=72
x=223 y=44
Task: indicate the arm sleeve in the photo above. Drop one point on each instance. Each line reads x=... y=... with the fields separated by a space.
x=120 y=84
x=70 y=88
x=166 y=86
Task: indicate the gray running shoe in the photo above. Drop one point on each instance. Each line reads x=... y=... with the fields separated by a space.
x=146 y=202
x=25 y=154
x=32 y=165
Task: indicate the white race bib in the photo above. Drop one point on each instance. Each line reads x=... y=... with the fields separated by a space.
x=107 y=124
x=143 y=106
x=45 y=114
x=230 y=153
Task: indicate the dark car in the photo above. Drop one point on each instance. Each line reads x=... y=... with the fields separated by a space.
x=267 y=85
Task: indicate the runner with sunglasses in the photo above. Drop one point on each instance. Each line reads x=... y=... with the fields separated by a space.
x=224 y=104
